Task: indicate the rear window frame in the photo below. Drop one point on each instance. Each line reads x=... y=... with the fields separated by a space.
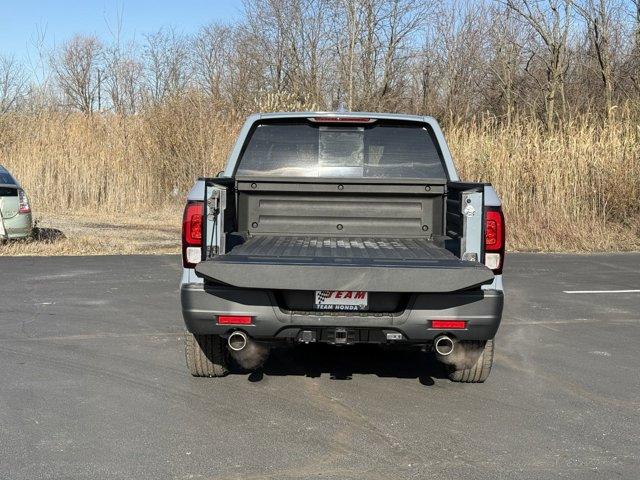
x=378 y=121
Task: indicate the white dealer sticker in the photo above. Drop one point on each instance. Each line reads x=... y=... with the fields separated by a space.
x=341 y=300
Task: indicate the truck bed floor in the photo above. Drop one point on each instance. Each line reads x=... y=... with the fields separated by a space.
x=404 y=249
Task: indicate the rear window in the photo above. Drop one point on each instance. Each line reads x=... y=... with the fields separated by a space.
x=8 y=192
x=6 y=179
x=294 y=149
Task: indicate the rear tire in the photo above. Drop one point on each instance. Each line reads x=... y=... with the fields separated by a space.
x=480 y=370
x=206 y=355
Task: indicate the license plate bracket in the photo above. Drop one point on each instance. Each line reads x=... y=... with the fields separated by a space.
x=341 y=300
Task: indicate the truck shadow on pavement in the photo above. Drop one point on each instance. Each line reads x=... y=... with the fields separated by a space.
x=343 y=363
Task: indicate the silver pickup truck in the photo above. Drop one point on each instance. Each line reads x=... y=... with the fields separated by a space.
x=341 y=228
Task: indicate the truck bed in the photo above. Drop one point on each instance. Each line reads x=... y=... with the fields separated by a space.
x=302 y=262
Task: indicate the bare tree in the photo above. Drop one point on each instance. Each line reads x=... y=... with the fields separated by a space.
x=77 y=70
x=166 y=58
x=348 y=24
x=551 y=20
x=374 y=45
x=400 y=23
x=293 y=40
x=123 y=72
x=267 y=26
x=212 y=48
x=456 y=47
x=632 y=62
x=308 y=47
x=12 y=83
x=244 y=74
x=635 y=11
x=506 y=42
x=598 y=16
x=123 y=82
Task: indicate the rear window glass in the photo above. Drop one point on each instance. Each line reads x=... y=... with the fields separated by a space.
x=6 y=179
x=8 y=192
x=391 y=150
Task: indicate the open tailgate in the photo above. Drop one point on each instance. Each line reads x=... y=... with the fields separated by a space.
x=358 y=263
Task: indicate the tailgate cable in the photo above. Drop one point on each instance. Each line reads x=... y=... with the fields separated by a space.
x=213 y=205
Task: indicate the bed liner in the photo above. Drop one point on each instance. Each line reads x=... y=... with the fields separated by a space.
x=302 y=262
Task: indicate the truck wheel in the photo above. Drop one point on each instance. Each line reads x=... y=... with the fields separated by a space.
x=206 y=355
x=480 y=370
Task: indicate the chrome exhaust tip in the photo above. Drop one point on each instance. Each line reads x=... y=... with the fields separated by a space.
x=237 y=341
x=444 y=345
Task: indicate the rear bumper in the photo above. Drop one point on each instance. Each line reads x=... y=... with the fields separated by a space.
x=19 y=226
x=482 y=310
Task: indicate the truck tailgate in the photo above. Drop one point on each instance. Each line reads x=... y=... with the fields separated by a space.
x=349 y=263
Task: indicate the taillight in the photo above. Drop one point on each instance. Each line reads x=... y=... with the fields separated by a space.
x=192 y=234
x=494 y=239
x=23 y=202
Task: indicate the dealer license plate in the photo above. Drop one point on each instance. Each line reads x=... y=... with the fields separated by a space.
x=341 y=300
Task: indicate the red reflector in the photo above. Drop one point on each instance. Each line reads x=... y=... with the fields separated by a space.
x=493 y=231
x=449 y=324
x=234 y=320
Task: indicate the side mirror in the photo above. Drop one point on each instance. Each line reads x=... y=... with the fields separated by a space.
x=219 y=174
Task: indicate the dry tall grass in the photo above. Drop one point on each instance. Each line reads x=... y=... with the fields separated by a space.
x=574 y=189
x=114 y=163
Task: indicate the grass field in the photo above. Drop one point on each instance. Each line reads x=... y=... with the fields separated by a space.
x=91 y=233
x=574 y=189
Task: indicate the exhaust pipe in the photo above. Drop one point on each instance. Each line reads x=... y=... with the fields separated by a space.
x=248 y=353
x=444 y=345
x=237 y=341
x=458 y=353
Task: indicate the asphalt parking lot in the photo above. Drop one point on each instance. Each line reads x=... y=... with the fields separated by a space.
x=93 y=385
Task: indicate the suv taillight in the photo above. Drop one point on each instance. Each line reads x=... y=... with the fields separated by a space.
x=192 y=234
x=23 y=202
x=494 y=239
